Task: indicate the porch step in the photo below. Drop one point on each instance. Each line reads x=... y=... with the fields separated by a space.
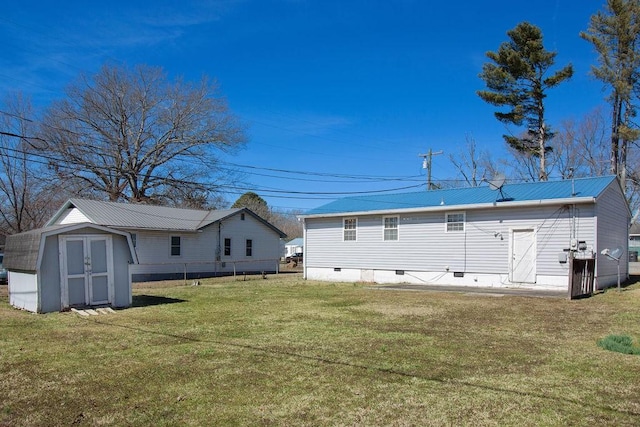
x=93 y=312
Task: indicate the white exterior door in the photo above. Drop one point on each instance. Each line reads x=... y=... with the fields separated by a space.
x=86 y=268
x=523 y=256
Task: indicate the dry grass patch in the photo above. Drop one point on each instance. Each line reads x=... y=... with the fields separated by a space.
x=284 y=351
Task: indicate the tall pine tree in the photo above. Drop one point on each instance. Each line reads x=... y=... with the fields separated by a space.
x=516 y=78
x=615 y=34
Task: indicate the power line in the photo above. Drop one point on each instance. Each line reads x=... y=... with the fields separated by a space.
x=350 y=177
x=326 y=174
x=51 y=159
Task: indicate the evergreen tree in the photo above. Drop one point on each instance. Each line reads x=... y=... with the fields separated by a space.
x=615 y=32
x=253 y=202
x=516 y=78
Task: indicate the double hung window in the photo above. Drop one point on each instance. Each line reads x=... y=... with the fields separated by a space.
x=455 y=221
x=350 y=229
x=390 y=227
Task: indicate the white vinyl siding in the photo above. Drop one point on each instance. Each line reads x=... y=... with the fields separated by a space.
x=390 y=226
x=199 y=250
x=72 y=216
x=455 y=221
x=426 y=245
x=350 y=227
x=612 y=218
x=24 y=291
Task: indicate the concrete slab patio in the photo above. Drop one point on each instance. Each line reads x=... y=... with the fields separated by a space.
x=469 y=290
x=634 y=272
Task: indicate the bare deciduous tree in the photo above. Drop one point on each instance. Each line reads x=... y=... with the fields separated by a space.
x=288 y=223
x=133 y=135
x=27 y=198
x=580 y=148
x=474 y=166
x=521 y=166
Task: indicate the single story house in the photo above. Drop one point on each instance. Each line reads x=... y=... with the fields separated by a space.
x=514 y=235
x=172 y=243
x=294 y=246
x=62 y=266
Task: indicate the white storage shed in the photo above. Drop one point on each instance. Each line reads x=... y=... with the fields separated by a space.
x=77 y=265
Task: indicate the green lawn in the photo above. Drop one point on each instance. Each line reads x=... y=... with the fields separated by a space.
x=285 y=351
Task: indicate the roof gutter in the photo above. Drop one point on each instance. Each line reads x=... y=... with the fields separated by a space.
x=449 y=208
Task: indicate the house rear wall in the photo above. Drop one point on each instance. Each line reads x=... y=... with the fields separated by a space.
x=425 y=246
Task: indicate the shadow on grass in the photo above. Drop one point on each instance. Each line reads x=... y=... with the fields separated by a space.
x=624 y=284
x=149 y=300
x=633 y=279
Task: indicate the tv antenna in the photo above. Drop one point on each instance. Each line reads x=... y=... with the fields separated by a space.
x=614 y=255
x=497 y=183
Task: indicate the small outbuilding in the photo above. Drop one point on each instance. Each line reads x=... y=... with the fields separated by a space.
x=75 y=265
x=294 y=246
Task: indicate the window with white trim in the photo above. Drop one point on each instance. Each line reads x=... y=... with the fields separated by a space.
x=390 y=224
x=350 y=229
x=455 y=221
x=227 y=246
x=248 y=247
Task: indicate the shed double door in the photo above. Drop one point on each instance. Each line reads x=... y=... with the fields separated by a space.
x=86 y=269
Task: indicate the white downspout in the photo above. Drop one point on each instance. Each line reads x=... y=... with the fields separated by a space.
x=304 y=250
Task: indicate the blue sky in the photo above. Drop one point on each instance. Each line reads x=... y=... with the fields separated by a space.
x=347 y=92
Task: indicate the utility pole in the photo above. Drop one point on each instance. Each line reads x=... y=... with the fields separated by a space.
x=426 y=164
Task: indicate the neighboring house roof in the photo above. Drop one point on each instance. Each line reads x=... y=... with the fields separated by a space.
x=634 y=229
x=578 y=190
x=298 y=241
x=150 y=217
x=23 y=249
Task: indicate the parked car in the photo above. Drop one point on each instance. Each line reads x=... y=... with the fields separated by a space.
x=3 y=271
x=297 y=257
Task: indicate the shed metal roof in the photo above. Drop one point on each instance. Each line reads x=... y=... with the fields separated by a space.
x=577 y=189
x=23 y=249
